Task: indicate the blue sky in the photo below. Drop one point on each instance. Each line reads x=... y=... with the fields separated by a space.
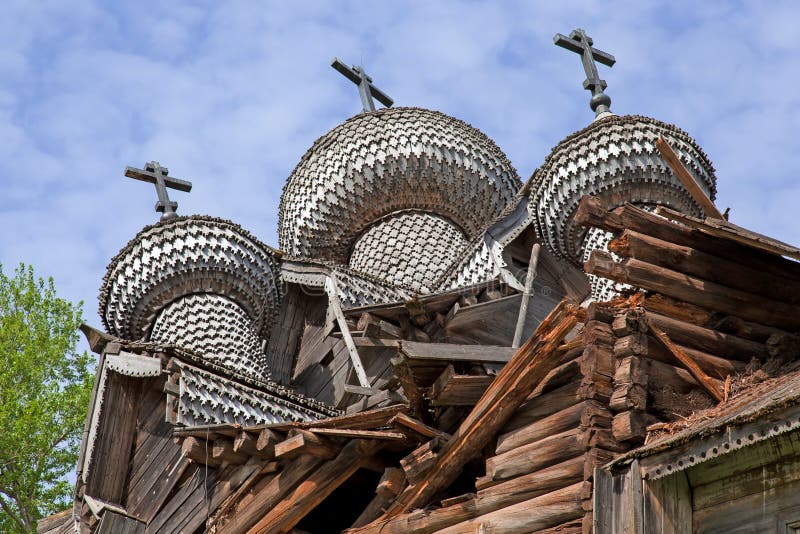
x=229 y=95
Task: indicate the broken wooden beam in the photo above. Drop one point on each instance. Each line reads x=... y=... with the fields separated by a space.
x=686 y=178
x=302 y=442
x=320 y=483
x=714 y=387
x=688 y=260
x=700 y=292
x=452 y=389
x=530 y=364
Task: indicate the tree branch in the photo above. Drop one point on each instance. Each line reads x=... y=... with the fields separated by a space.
x=7 y=509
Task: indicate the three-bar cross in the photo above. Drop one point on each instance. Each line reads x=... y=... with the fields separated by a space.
x=581 y=43
x=156 y=174
x=365 y=87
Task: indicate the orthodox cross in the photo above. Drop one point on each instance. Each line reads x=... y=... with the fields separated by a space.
x=366 y=89
x=581 y=43
x=156 y=174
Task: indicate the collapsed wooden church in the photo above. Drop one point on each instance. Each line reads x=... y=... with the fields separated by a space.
x=438 y=347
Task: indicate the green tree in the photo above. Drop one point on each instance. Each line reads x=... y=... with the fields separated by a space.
x=45 y=387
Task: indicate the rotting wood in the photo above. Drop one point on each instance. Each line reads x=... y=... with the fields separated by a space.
x=302 y=442
x=702 y=265
x=404 y=423
x=551 y=425
x=199 y=451
x=391 y=483
x=684 y=287
x=360 y=434
x=711 y=385
x=529 y=365
x=287 y=512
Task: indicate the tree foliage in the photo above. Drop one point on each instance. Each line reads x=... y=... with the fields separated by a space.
x=44 y=394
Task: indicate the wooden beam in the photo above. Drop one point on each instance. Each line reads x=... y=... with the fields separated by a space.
x=302 y=442
x=452 y=389
x=729 y=231
x=526 y=295
x=355 y=359
x=687 y=179
x=712 y=386
x=369 y=419
x=271 y=494
x=694 y=290
x=360 y=434
x=315 y=488
x=530 y=364
x=688 y=260
x=594 y=212
x=200 y=451
x=404 y=422
x=449 y=353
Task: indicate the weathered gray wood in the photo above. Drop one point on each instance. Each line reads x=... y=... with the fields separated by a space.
x=446 y=352
x=114 y=523
x=355 y=359
x=534 y=456
x=602 y=502
x=544 y=405
x=668 y=505
x=526 y=295
x=561 y=421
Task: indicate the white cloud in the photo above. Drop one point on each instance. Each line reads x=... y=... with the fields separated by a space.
x=231 y=95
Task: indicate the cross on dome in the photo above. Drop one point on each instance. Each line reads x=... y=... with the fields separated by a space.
x=366 y=89
x=580 y=43
x=156 y=174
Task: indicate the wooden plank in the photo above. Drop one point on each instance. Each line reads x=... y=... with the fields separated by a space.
x=114 y=523
x=711 y=385
x=360 y=434
x=403 y=421
x=315 y=488
x=593 y=212
x=603 y=502
x=726 y=230
x=694 y=290
x=668 y=505
x=451 y=389
x=370 y=419
x=530 y=364
x=687 y=179
x=271 y=494
x=447 y=352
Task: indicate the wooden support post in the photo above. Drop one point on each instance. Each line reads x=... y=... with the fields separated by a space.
x=526 y=295
x=355 y=359
x=687 y=179
x=711 y=385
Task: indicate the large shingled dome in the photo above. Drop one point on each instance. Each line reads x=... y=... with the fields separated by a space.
x=385 y=162
x=614 y=158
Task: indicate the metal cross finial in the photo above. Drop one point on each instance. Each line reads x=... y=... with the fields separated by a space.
x=365 y=87
x=156 y=174
x=581 y=43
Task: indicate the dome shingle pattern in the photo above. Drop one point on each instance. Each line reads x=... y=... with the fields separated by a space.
x=615 y=159
x=184 y=256
x=411 y=249
x=386 y=161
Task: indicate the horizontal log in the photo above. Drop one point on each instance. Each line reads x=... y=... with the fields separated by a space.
x=544 y=405
x=498 y=497
x=358 y=434
x=713 y=365
x=709 y=341
x=446 y=352
x=687 y=260
x=558 y=422
x=593 y=212
x=223 y=452
x=200 y=451
x=539 y=513
x=418 y=462
x=534 y=456
x=694 y=290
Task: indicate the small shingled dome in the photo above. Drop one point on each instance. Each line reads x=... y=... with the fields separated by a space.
x=614 y=158
x=384 y=162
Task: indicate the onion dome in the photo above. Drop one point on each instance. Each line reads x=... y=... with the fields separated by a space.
x=416 y=182
x=615 y=159
x=201 y=283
